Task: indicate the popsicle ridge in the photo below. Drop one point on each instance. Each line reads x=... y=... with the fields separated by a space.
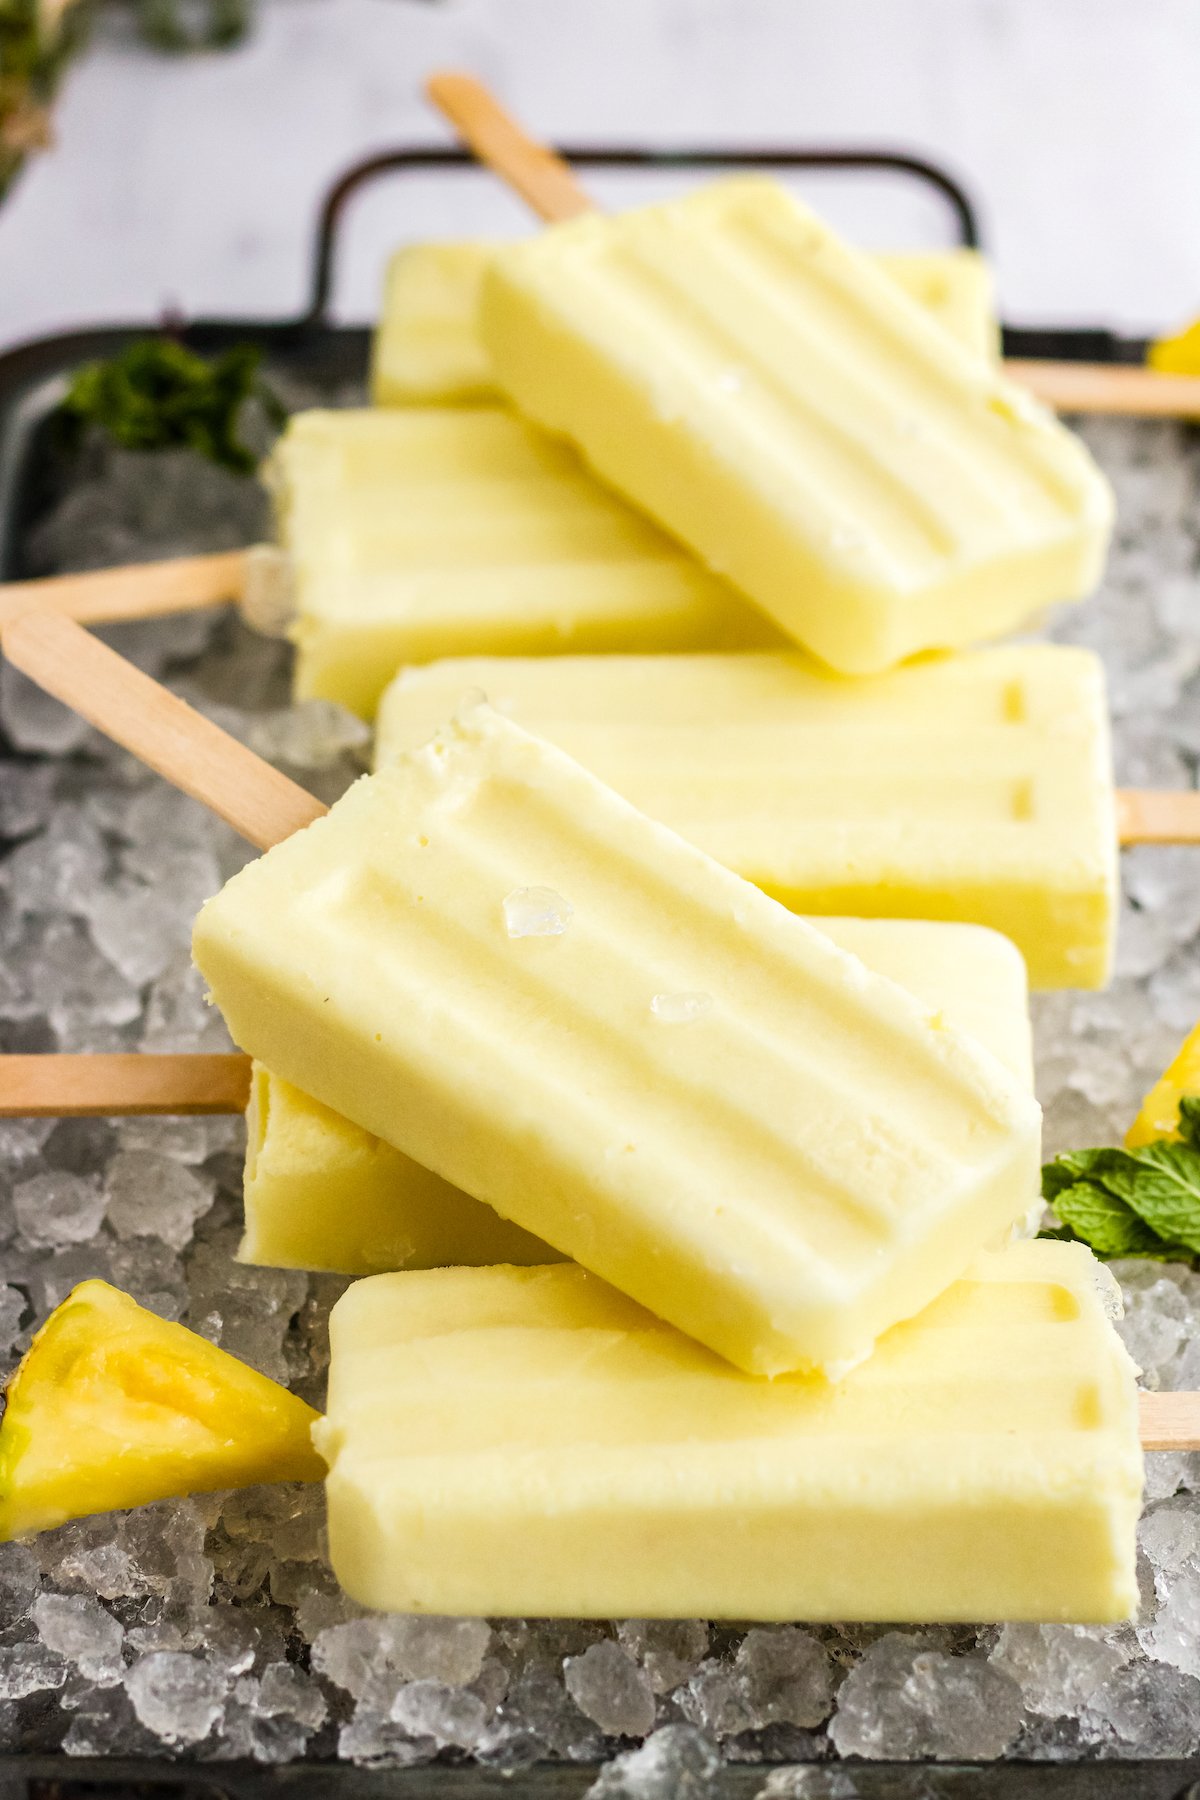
x=428 y=349
x=321 y=1193
x=750 y=1129
x=1048 y=1361
x=548 y=1447
x=414 y=533
x=777 y=402
x=839 y=286
x=772 y=292
x=838 y=466
x=705 y=1164
x=976 y=787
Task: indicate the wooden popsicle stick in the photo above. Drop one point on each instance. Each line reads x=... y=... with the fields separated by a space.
x=549 y=186
x=1166 y=817
x=1169 y=1421
x=542 y=179
x=161 y=730
x=134 y=591
x=120 y=1086
x=1109 y=388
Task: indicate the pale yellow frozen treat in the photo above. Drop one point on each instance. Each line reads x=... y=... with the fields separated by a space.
x=487 y=958
x=528 y=1441
x=423 y=532
x=321 y=1193
x=956 y=288
x=975 y=787
x=428 y=351
x=773 y=398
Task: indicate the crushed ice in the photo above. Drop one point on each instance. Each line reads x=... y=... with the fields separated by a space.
x=536 y=912
x=680 y=1009
x=212 y=1628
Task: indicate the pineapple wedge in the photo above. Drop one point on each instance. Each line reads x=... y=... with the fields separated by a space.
x=1158 y=1116
x=113 y=1407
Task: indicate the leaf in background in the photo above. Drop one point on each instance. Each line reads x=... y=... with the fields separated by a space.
x=1105 y=1223
x=176 y=27
x=38 y=38
x=157 y=395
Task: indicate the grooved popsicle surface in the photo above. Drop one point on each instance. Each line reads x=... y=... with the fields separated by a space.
x=428 y=350
x=423 y=532
x=975 y=787
x=686 y=1088
x=773 y=398
x=321 y=1193
x=530 y=1442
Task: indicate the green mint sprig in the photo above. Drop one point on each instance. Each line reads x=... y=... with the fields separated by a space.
x=1143 y=1202
x=157 y=395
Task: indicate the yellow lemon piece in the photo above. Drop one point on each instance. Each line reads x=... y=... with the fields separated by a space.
x=1178 y=355
x=113 y=1407
x=1159 y=1114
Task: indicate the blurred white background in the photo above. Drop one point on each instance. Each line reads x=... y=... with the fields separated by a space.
x=194 y=183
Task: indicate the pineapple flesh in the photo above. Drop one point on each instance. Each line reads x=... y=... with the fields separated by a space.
x=1159 y=1113
x=114 y=1407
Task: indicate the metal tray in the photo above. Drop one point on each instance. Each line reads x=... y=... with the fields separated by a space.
x=60 y=1778
x=311 y=347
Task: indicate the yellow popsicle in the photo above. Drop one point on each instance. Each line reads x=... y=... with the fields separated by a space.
x=775 y=400
x=422 y=532
x=428 y=351
x=528 y=1441
x=321 y=1193
x=974 y=787
x=486 y=957
x=956 y=288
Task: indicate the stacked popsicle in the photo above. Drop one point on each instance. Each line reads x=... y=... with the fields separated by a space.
x=456 y=526
x=745 y=382
x=494 y=994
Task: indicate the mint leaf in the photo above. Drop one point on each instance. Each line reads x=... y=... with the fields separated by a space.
x=1161 y=1184
x=1073 y=1166
x=1104 y=1222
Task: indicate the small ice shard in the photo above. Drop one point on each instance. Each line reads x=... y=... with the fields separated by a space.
x=78 y=1628
x=536 y=912
x=680 y=1009
x=176 y=1696
x=609 y=1688
x=269 y=590
x=312 y=734
x=57 y=1208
